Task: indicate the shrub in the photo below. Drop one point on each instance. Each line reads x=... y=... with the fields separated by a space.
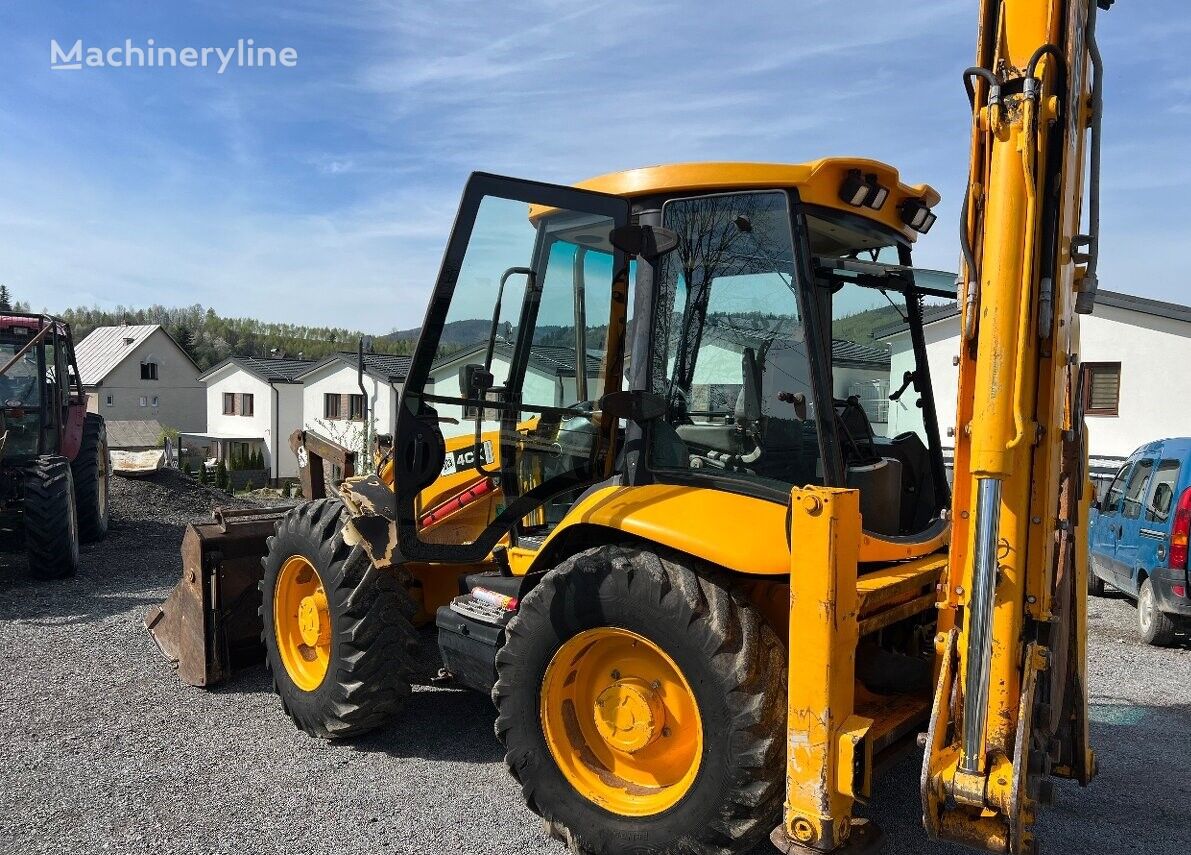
x=203 y=476
x=221 y=479
x=248 y=488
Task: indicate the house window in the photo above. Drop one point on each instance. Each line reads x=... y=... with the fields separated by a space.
x=229 y=403
x=155 y=400
x=1101 y=388
x=330 y=406
x=144 y=401
x=148 y=370
x=355 y=408
x=246 y=404
x=109 y=401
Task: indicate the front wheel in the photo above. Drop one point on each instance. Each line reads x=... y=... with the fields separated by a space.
x=1095 y=584
x=642 y=706
x=337 y=638
x=51 y=521
x=1155 y=626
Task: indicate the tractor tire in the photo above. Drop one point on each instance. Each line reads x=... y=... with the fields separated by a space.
x=661 y=641
x=346 y=669
x=91 y=469
x=50 y=521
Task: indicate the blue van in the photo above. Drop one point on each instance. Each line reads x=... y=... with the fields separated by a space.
x=1138 y=537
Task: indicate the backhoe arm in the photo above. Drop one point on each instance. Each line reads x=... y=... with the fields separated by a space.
x=1011 y=700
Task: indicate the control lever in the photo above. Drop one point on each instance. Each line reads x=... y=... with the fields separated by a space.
x=798 y=399
x=907 y=378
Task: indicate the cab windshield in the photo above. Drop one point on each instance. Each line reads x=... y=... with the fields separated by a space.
x=19 y=386
x=20 y=395
x=745 y=333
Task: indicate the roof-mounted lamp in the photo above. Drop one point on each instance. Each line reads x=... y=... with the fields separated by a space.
x=916 y=215
x=859 y=190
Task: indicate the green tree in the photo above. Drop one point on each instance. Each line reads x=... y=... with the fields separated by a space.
x=185 y=339
x=5 y=299
x=221 y=478
x=203 y=476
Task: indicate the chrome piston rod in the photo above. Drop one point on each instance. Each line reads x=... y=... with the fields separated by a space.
x=980 y=619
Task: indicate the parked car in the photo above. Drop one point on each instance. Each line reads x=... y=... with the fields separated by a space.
x=1138 y=537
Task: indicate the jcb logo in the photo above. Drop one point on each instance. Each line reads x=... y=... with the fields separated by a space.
x=466 y=458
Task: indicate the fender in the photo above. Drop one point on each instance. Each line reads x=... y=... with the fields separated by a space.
x=72 y=431
x=714 y=521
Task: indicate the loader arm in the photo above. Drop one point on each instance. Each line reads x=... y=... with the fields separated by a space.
x=1011 y=700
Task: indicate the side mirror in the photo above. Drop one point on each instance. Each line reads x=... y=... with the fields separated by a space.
x=474 y=381
x=648 y=242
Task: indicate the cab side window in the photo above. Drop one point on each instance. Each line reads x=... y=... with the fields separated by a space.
x=1161 y=499
x=1135 y=488
x=1112 y=499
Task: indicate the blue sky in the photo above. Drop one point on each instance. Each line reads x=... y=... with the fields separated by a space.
x=324 y=193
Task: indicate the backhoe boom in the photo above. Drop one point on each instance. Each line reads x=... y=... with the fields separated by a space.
x=1011 y=702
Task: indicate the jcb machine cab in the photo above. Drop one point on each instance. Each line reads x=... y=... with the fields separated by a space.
x=661 y=361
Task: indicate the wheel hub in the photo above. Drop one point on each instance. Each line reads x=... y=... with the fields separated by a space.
x=314 y=619
x=621 y=721
x=629 y=715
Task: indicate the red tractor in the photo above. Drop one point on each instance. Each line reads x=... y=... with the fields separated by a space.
x=54 y=462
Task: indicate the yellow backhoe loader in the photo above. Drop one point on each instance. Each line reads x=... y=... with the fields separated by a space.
x=670 y=513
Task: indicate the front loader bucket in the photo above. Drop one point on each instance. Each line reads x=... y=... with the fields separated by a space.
x=209 y=626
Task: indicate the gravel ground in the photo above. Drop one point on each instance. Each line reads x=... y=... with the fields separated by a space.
x=105 y=750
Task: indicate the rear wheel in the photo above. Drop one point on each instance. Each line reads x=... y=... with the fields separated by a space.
x=642 y=707
x=337 y=637
x=90 y=470
x=50 y=521
x=1156 y=627
x=1095 y=583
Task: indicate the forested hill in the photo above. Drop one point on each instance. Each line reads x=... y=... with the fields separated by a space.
x=210 y=338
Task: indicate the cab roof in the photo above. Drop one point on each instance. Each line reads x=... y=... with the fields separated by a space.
x=818 y=183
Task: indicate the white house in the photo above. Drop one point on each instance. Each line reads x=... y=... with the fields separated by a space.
x=334 y=406
x=1132 y=349
x=253 y=404
x=139 y=373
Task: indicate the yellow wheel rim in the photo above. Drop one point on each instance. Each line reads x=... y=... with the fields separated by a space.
x=621 y=721
x=302 y=623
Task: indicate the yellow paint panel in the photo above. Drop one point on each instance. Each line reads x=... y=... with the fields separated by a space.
x=817 y=182
x=739 y=532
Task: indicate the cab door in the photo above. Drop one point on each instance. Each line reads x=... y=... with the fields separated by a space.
x=527 y=317
x=1106 y=529
x=1129 y=530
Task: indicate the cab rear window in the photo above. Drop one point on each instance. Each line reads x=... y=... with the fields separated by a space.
x=1161 y=498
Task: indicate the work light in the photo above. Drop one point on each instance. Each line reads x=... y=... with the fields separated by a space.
x=916 y=215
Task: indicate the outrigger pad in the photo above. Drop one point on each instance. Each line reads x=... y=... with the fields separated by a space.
x=209 y=626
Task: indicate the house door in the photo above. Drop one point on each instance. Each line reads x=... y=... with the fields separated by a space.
x=531 y=297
